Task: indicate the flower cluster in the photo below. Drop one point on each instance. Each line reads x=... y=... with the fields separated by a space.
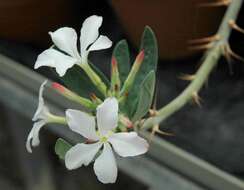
x=65 y=39
x=100 y=127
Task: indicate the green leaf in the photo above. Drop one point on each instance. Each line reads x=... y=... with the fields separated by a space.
x=77 y=81
x=150 y=47
x=61 y=147
x=122 y=55
x=145 y=96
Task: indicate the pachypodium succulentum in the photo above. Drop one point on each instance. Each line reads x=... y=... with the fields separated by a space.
x=113 y=109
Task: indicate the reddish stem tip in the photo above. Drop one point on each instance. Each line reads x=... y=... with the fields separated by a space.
x=140 y=57
x=114 y=62
x=58 y=87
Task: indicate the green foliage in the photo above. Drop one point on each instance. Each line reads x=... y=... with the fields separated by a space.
x=132 y=106
x=145 y=96
x=122 y=55
x=77 y=81
x=149 y=45
x=61 y=147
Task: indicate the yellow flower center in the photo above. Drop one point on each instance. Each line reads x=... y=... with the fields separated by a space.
x=104 y=138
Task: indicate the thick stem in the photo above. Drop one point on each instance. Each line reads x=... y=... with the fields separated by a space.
x=211 y=59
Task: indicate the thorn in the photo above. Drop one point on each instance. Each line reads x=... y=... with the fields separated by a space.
x=200 y=47
x=187 y=77
x=228 y=58
x=155 y=130
x=233 y=25
x=153 y=112
x=164 y=133
x=226 y=53
x=208 y=39
x=196 y=99
x=216 y=4
x=230 y=53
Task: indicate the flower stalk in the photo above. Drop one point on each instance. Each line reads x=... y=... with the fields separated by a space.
x=56 y=119
x=96 y=80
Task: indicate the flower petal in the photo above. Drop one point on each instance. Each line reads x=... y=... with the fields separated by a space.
x=82 y=123
x=66 y=39
x=105 y=166
x=128 y=144
x=33 y=137
x=89 y=31
x=42 y=110
x=81 y=154
x=103 y=42
x=107 y=115
x=56 y=59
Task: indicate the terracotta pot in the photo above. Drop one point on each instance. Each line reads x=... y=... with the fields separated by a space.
x=175 y=22
x=30 y=20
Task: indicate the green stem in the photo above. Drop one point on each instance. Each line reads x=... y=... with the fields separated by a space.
x=83 y=101
x=57 y=119
x=211 y=59
x=94 y=78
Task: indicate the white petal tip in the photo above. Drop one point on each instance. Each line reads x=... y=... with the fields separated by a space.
x=60 y=74
x=36 y=66
x=28 y=148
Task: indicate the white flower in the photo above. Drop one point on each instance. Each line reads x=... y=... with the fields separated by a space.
x=40 y=118
x=66 y=40
x=124 y=143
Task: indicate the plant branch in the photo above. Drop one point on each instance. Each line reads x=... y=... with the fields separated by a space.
x=210 y=60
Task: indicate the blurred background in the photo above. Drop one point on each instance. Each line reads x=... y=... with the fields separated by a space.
x=213 y=132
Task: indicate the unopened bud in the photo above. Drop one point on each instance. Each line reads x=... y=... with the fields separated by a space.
x=115 y=79
x=73 y=96
x=131 y=77
x=59 y=87
x=126 y=122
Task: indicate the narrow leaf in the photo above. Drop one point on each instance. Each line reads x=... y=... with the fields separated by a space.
x=150 y=47
x=145 y=96
x=122 y=55
x=61 y=147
